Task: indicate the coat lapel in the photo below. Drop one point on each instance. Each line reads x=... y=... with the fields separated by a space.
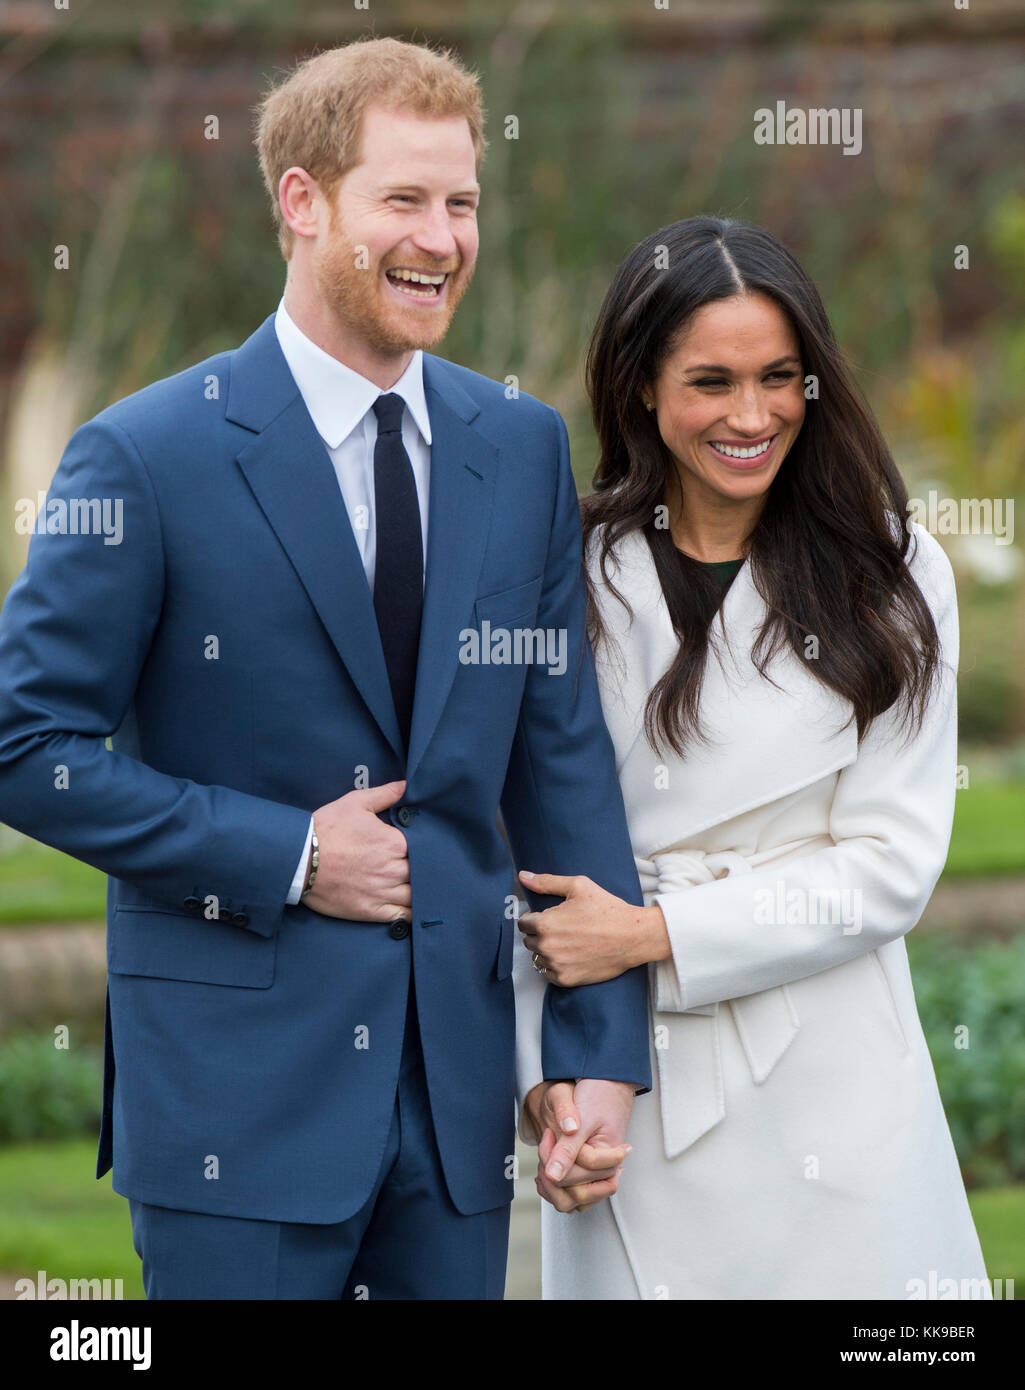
x=292 y=478
x=767 y=740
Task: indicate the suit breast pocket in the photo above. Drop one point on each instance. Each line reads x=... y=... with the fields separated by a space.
x=168 y=945
x=511 y=607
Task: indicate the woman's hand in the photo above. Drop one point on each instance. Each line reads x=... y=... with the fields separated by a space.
x=593 y=935
x=597 y=1161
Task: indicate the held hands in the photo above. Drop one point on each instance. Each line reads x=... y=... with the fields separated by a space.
x=364 y=862
x=582 y=1144
x=593 y=935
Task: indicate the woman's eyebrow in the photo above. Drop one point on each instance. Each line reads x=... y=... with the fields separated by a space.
x=727 y=371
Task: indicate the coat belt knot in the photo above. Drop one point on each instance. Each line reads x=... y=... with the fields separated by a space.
x=686 y=1041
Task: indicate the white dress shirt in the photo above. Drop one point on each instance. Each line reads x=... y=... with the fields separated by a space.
x=340 y=403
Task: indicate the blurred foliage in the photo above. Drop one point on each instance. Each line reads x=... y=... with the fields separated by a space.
x=626 y=121
x=978 y=987
x=39 y=884
x=46 y=1092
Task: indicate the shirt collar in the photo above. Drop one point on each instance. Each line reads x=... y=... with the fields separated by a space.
x=336 y=396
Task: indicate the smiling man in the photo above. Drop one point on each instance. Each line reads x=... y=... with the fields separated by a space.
x=309 y=1080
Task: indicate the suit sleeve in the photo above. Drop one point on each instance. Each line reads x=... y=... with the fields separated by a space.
x=890 y=821
x=74 y=635
x=563 y=812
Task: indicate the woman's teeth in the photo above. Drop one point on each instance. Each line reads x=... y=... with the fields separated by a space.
x=750 y=453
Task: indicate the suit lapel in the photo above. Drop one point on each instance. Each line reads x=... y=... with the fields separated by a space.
x=292 y=478
x=767 y=740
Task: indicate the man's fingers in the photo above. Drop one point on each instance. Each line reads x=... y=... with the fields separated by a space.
x=579 y=1196
x=595 y=1157
x=380 y=798
x=589 y=1194
x=555 y=1195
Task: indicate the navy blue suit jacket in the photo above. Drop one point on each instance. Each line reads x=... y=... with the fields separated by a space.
x=228 y=647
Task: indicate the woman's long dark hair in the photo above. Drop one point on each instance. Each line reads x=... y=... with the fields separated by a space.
x=825 y=555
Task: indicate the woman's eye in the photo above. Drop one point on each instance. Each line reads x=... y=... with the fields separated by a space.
x=711 y=383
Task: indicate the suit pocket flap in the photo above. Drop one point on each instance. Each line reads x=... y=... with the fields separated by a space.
x=171 y=946
x=509 y=605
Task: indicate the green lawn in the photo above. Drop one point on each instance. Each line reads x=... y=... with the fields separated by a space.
x=988 y=833
x=37 y=884
x=54 y=1216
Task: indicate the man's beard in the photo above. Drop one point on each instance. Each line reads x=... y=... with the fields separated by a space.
x=354 y=296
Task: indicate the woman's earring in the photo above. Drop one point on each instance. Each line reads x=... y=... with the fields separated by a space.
x=649 y=405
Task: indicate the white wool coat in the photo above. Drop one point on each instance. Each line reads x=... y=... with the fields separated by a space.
x=795 y=1145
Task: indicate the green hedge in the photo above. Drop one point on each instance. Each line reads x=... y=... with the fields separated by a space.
x=980 y=988
x=46 y=1092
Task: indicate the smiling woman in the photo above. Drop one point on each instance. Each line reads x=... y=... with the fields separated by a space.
x=787 y=758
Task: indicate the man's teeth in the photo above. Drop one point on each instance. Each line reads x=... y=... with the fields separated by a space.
x=419 y=277
x=751 y=453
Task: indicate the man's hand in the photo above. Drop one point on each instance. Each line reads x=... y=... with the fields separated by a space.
x=582 y=1139
x=363 y=873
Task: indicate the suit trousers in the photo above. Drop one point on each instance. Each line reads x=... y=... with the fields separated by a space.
x=407 y=1241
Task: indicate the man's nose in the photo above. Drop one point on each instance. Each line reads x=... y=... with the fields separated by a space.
x=434 y=233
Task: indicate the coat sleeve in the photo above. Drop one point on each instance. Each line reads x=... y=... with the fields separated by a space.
x=890 y=821
x=75 y=631
x=563 y=812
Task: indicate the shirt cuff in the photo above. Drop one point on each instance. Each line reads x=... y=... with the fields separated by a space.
x=299 y=881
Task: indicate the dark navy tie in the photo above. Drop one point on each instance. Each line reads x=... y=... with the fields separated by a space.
x=398 y=570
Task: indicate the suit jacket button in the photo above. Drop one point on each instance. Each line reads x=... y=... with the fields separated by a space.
x=241 y=919
x=404 y=815
x=193 y=904
x=398 y=929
